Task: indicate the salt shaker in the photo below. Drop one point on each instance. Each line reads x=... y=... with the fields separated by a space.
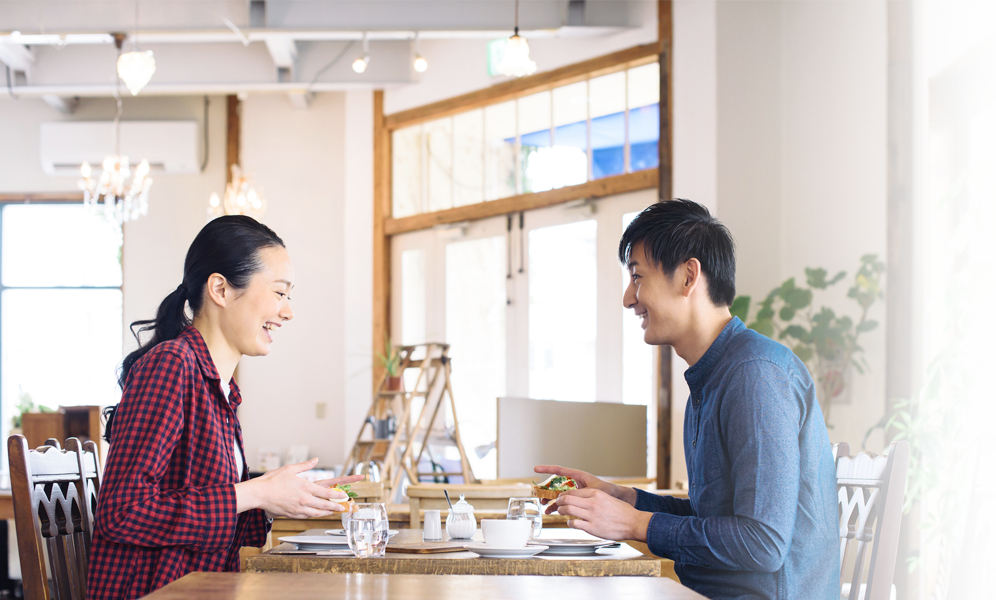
x=461 y=523
x=432 y=531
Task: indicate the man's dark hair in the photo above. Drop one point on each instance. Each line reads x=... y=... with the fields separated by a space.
x=674 y=231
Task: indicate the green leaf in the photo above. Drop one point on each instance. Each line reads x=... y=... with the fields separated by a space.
x=803 y=352
x=740 y=307
x=984 y=207
x=787 y=313
x=764 y=327
x=786 y=288
x=837 y=278
x=867 y=326
x=798 y=332
x=816 y=278
x=799 y=298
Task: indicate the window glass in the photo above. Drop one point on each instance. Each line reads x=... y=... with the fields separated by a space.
x=562 y=312
x=406 y=171
x=568 y=162
x=59 y=245
x=413 y=297
x=468 y=158
x=607 y=103
x=439 y=164
x=475 y=330
x=499 y=151
x=535 y=142
x=644 y=116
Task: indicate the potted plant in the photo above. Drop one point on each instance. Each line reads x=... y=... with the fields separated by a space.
x=958 y=397
x=825 y=342
x=390 y=360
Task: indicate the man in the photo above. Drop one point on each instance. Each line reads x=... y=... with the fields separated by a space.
x=761 y=518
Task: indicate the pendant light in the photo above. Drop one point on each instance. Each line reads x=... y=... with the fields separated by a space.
x=136 y=68
x=516 y=62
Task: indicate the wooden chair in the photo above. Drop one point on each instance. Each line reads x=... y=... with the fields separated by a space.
x=977 y=522
x=89 y=485
x=870 y=491
x=49 y=513
x=424 y=496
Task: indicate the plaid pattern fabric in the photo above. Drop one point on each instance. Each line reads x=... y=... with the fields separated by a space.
x=167 y=500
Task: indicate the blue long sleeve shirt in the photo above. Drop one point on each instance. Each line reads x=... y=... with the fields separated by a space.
x=761 y=518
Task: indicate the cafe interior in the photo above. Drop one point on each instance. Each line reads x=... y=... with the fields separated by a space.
x=451 y=179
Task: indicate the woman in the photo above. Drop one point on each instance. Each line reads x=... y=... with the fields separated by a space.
x=176 y=495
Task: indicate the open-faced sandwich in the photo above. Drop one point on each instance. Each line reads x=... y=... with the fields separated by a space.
x=349 y=504
x=554 y=486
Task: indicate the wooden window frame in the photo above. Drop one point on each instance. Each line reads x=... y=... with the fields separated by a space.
x=385 y=225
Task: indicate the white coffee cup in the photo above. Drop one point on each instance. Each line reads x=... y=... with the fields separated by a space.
x=502 y=533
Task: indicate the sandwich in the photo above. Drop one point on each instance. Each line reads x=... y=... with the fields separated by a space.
x=554 y=486
x=347 y=504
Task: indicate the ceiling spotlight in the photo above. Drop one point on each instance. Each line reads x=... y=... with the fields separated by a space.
x=420 y=63
x=360 y=64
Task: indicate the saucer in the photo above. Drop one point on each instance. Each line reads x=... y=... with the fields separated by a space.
x=495 y=552
x=572 y=547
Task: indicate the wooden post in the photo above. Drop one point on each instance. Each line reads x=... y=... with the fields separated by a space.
x=664 y=145
x=381 y=242
x=899 y=220
x=234 y=135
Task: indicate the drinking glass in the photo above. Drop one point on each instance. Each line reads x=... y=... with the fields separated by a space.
x=528 y=509
x=367 y=530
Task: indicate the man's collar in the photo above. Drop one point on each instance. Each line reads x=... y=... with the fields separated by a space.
x=698 y=372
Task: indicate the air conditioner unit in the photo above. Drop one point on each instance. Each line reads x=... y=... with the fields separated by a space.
x=169 y=146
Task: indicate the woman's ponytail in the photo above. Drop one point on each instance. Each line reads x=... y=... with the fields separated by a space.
x=228 y=246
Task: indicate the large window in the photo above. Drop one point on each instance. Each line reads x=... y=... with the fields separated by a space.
x=534 y=311
x=60 y=308
x=573 y=133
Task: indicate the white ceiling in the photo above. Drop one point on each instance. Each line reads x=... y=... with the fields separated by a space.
x=61 y=48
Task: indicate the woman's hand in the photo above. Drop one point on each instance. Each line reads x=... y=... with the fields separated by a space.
x=281 y=493
x=344 y=480
x=587 y=480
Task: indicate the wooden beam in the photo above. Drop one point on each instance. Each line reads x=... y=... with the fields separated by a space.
x=664 y=147
x=508 y=90
x=381 y=241
x=899 y=234
x=46 y=197
x=608 y=186
x=233 y=147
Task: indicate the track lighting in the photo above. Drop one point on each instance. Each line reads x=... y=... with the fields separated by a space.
x=360 y=64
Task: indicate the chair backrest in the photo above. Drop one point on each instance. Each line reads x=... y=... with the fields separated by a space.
x=977 y=522
x=870 y=491
x=49 y=513
x=89 y=484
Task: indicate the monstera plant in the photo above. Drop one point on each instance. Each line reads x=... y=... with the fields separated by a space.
x=958 y=397
x=825 y=341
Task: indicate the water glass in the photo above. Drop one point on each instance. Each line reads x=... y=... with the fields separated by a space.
x=528 y=509
x=367 y=530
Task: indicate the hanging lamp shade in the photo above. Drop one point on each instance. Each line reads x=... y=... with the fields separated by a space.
x=136 y=69
x=516 y=62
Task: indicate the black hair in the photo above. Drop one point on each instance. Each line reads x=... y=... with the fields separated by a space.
x=675 y=231
x=229 y=246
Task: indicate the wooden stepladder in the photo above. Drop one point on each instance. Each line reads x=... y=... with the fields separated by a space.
x=404 y=446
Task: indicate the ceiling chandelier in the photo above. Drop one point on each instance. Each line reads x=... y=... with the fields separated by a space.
x=122 y=201
x=241 y=198
x=516 y=62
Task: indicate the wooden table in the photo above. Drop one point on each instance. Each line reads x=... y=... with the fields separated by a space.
x=325 y=586
x=623 y=560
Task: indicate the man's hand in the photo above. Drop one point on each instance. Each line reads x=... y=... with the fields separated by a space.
x=281 y=493
x=588 y=481
x=599 y=514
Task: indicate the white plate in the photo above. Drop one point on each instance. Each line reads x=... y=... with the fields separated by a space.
x=316 y=542
x=342 y=532
x=572 y=547
x=494 y=552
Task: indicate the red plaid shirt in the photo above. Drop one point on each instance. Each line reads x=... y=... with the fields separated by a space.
x=167 y=498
